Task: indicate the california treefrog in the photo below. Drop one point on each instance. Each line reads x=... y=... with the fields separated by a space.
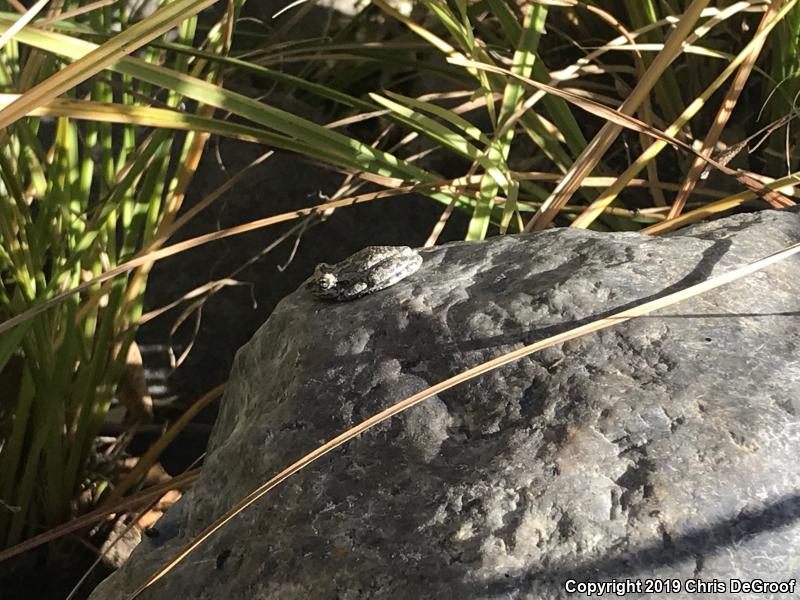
x=369 y=270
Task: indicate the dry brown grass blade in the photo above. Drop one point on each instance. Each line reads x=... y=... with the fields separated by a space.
x=620 y=119
x=599 y=181
x=99 y=514
x=75 y=12
x=201 y=291
x=716 y=208
x=467 y=375
x=162 y=253
x=17 y=6
x=724 y=113
x=594 y=151
x=154 y=451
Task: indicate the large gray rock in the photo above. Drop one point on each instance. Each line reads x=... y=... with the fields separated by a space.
x=665 y=447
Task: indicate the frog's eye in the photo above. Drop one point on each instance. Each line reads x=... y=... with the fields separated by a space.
x=326 y=281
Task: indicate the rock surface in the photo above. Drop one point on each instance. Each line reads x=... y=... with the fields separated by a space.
x=665 y=447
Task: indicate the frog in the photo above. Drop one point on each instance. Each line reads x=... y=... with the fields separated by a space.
x=367 y=271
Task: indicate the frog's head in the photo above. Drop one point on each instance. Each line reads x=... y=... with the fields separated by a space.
x=324 y=281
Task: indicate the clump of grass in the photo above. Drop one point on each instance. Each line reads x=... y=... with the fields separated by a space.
x=78 y=196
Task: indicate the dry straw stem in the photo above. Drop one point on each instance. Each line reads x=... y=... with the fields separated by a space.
x=725 y=110
x=75 y=12
x=143 y=497
x=149 y=458
x=714 y=208
x=594 y=151
x=467 y=375
x=162 y=253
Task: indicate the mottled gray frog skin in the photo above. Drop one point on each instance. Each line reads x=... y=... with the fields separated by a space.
x=369 y=270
